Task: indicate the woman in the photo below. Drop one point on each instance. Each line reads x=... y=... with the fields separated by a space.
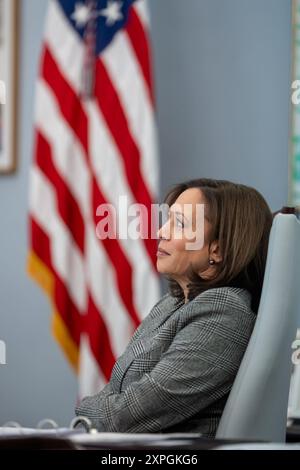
x=178 y=368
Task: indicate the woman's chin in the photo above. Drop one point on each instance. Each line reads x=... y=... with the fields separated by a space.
x=160 y=267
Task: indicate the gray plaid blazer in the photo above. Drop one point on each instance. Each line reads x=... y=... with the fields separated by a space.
x=178 y=368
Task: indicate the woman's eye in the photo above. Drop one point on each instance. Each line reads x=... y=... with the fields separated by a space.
x=179 y=223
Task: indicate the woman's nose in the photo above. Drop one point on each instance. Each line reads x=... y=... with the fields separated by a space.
x=159 y=236
x=164 y=231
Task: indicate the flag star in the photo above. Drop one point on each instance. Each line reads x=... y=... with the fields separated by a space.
x=112 y=12
x=81 y=15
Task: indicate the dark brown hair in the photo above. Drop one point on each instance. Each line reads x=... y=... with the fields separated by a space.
x=241 y=221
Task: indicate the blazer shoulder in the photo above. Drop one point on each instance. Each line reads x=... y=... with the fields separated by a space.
x=225 y=308
x=223 y=298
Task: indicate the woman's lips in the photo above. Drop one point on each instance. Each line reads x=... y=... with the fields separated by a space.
x=161 y=252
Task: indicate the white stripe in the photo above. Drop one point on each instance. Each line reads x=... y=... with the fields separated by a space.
x=67 y=151
x=90 y=380
x=69 y=161
x=121 y=64
x=102 y=283
x=66 y=258
x=63 y=40
x=142 y=10
x=109 y=170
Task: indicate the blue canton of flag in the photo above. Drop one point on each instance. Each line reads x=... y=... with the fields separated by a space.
x=110 y=17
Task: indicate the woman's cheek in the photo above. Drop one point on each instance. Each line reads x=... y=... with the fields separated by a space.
x=179 y=244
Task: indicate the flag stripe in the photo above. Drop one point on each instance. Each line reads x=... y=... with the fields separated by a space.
x=99 y=340
x=74 y=286
x=62 y=299
x=90 y=377
x=139 y=43
x=141 y=9
x=69 y=103
x=101 y=279
x=118 y=259
x=41 y=273
x=67 y=205
x=110 y=106
x=41 y=245
x=71 y=216
x=74 y=114
x=66 y=152
x=66 y=259
x=109 y=174
x=123 y=69
x=74 y=321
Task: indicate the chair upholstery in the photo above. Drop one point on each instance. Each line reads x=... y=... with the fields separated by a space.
x=257 y=405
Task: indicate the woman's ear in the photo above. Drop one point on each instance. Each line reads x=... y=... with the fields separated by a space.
x=215 y=252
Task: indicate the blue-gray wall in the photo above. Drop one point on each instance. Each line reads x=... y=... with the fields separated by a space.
x=222 y=70
x=223 y=78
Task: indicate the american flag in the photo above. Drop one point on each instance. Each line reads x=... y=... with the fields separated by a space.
x=95 y=142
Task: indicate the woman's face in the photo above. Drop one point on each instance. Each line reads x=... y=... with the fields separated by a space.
x=174 y=238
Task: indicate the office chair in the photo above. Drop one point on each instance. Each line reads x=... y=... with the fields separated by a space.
x=256 y=408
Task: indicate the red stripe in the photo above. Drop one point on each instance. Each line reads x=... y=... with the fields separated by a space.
x=112 y=110
x=140 y=44
x=68 y=101
x=99 y=340
x=67 y=205
x=41 y=245
x=76 y=323
x=123 y=268
x=75 y=116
